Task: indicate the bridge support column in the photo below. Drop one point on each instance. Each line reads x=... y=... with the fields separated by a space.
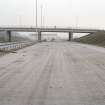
x=39 y=36
x=9 y=36
x=70 y=36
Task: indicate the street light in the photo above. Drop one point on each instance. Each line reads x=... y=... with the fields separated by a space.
x=20 y=21
x=36 y=16
x=76 y=19
x=41 y=15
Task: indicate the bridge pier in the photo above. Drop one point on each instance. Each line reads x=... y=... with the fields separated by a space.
x=39 y=36
x=70 y=36
x=9 y=36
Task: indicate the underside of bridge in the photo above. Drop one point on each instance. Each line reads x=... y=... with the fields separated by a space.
x=70 y=34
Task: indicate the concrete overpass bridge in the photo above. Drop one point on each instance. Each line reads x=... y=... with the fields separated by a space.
x=70 y=31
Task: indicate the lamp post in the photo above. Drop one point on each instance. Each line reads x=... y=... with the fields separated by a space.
x=36 y=17
x=20 y=21
x=76 y=19
x=36 y=14
x=41 y=16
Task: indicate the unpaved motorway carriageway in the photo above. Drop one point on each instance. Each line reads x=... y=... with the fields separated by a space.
x=57 y=73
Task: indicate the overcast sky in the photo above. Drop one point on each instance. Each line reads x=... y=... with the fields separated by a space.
x=83 y=13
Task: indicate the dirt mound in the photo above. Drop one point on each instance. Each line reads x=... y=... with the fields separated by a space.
x=97 y=38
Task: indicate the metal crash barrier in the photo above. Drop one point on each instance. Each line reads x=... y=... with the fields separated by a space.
x=6 y=48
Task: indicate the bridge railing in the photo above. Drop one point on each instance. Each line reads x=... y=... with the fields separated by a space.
x=52 y=27
x=73 y=27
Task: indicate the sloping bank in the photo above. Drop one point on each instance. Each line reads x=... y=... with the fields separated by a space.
x=97 y=38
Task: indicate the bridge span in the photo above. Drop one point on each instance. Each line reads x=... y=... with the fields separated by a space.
x=40 y=30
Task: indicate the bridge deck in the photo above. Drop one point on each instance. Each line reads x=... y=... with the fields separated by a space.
x=53 y=74
x=29 y=29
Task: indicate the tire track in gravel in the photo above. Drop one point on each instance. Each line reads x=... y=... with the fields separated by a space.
x=40 y=90
x=12 y=71
x=14 y=92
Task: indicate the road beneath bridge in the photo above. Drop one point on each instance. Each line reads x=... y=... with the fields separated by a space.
x=53 y=73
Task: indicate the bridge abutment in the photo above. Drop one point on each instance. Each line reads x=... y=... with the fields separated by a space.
x=9 y=36
x=70 y=36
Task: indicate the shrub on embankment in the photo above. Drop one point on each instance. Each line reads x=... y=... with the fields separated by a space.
x=97 y=38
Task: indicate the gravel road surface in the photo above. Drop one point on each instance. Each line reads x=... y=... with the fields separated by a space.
x=53 y=73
